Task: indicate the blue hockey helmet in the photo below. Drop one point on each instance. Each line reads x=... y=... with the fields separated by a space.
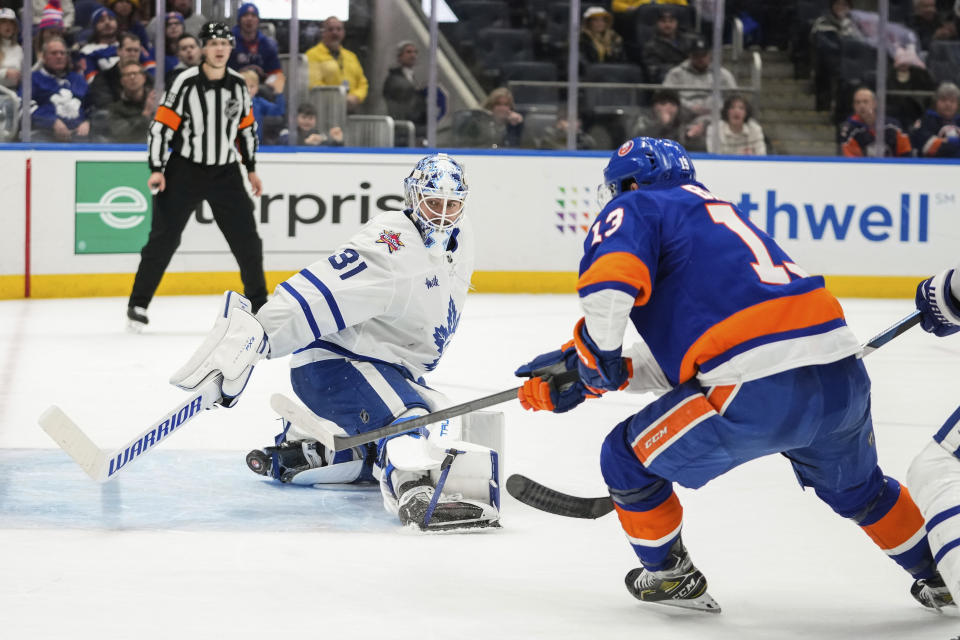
x=436 y=193
x=650 y=162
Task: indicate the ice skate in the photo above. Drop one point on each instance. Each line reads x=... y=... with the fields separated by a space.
x=932 y=593
x=450 y=512
x=683 y=585
x=136 y=319
x=286 y=460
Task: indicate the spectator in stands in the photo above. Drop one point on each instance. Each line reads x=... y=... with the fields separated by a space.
x=189 y=54
x=331 y=64
x=106 y=86
x=555 y=136
x=11 y=53
x=858 y=132
x=598 y=41
x=739 y=133
x=262 y=107
x=64 y=7
x=192 y=21
x=825 y=37
x=100 y=53
x=50 y=26
x=697 y=104
x=60 y=114
x=307 y=132
x=929 y=25
x=907 y=73
x=255 y=48
x=937 y=135
x=127 y=17
x=697 y=71
x=173 y=28
x=626 y=5
x=668 y=48
x=663 y=120
x=406 y=99
x=501 y=106
x=128 y=119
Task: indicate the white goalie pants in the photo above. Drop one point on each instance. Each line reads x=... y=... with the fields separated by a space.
x=934 y=483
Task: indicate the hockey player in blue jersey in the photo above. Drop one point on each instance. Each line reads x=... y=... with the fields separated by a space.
x=364 y=325
x=752 y=356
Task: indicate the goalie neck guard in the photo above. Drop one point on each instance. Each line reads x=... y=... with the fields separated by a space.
x=435 y=193
x=651 y=163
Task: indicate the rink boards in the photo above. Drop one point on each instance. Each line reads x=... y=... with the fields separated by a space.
x=75 y=217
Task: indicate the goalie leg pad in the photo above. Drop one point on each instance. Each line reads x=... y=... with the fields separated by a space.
x=934 y=480
x=469 y=476
x=234 y=345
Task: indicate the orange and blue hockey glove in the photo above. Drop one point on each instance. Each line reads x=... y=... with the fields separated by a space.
x=600 y=370
x=540 y=392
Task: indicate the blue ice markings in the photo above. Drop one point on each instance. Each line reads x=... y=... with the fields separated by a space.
x=782 y=219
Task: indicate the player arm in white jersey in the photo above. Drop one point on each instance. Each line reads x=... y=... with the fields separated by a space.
x=314 y=302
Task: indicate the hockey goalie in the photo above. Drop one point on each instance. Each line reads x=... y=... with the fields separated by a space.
x=363 y=326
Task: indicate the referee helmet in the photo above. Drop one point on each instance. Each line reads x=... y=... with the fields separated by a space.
x=212 y=30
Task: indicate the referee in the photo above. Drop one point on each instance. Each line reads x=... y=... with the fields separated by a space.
x=206 y=120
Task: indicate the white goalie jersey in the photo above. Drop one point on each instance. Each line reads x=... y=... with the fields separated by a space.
x=381 y=296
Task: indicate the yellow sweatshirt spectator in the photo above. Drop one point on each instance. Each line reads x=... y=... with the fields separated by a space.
x=626 y=5
x=330 y=64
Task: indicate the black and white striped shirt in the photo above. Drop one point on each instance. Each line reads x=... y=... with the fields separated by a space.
x=206 y=121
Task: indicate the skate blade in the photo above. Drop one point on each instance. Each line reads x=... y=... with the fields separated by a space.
x=704 y=603
x=470 y=526
x=135 y=327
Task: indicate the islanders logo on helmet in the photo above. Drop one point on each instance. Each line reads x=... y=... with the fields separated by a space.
x=651 y=163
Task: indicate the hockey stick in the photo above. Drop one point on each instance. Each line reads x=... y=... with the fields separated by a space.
x=333 y=437
x=533 y=494
x=103 y=465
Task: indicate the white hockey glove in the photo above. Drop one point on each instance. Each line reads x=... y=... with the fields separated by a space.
x=234 y=345
x=936 y=300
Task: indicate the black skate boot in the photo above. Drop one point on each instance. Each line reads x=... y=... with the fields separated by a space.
x=287 y=459
x=681 y=585
x=136 y=319
x=450 y=512
x=932 y=593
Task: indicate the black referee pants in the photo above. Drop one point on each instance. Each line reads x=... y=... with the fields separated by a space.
x=189 y=184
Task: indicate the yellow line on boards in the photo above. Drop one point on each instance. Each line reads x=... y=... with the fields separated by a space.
x=205 y=283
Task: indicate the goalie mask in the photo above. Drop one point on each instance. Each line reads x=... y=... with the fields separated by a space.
x=436 y=193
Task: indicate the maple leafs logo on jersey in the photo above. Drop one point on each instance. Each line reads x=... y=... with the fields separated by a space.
x=391 y=239
x=443 y=335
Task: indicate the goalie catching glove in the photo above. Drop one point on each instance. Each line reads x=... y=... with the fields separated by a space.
x=937 y=300
x=232 y=348
x=540 y=392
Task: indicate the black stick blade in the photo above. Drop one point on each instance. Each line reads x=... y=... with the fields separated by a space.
x=536 y=495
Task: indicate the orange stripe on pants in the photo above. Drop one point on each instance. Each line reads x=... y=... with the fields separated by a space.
x=899 y=525
x=691 y=410
x=654 y=524
x=719 y=395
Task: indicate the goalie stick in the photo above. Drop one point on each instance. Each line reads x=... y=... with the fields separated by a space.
x=333 y=437
x=533 y=494
x=104 y=465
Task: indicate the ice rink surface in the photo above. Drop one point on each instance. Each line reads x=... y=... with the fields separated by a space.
x=187 y=543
